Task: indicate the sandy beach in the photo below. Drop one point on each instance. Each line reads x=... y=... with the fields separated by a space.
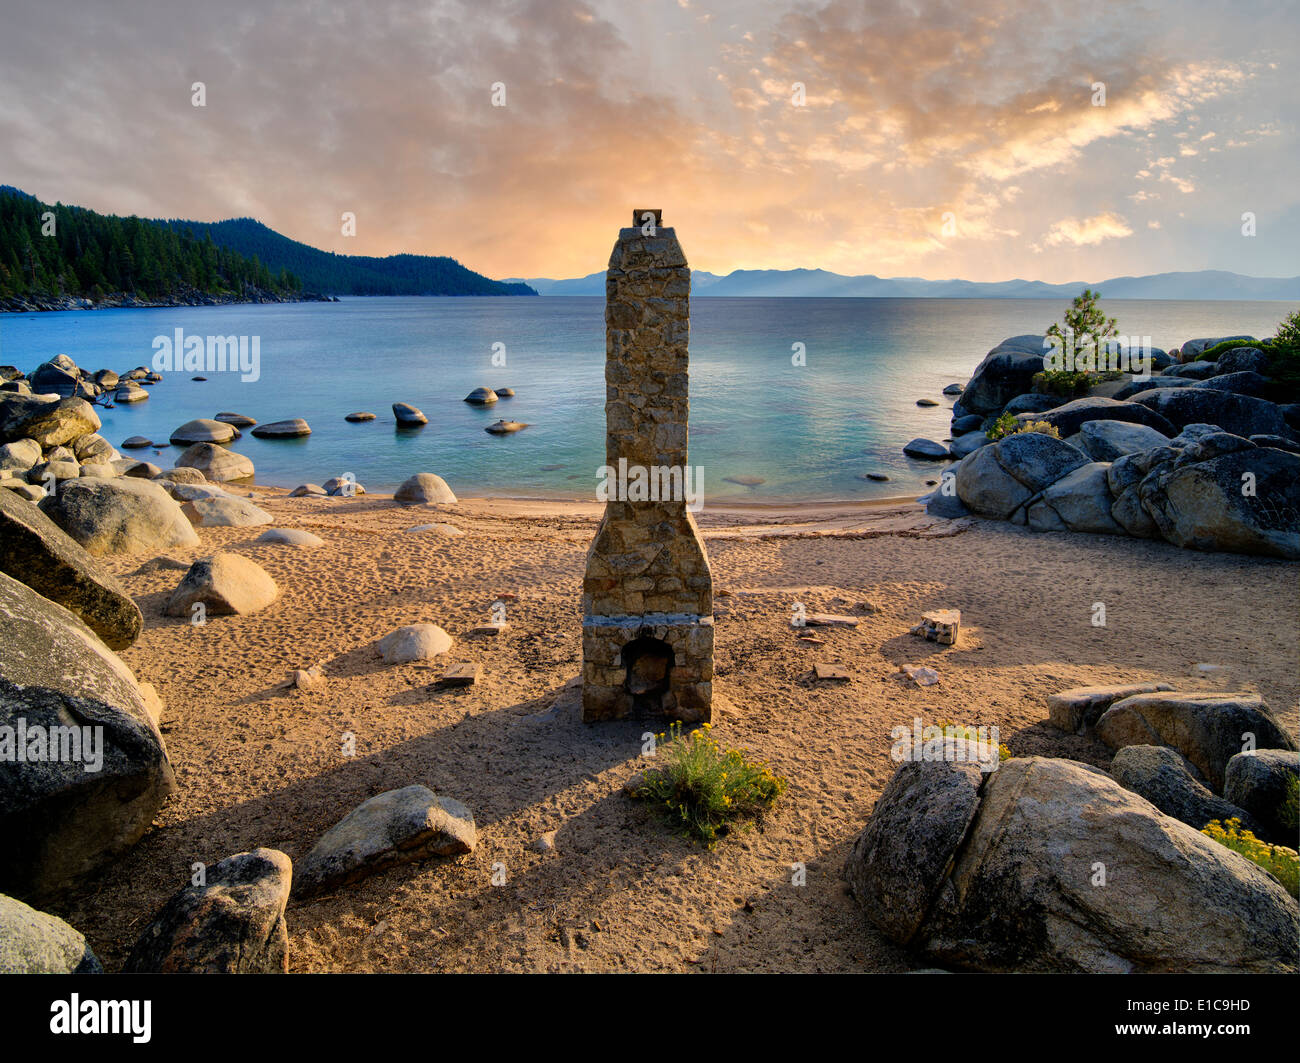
x=260 y=763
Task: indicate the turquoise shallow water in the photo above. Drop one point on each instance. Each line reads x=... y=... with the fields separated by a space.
x=809 y=432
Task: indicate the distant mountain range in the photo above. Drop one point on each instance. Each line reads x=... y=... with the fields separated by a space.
x=820 y=283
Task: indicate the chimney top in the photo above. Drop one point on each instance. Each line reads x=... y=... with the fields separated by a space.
x=639 y=217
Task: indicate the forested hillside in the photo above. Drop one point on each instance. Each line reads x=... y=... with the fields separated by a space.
x=324 y=271
x=97 y=257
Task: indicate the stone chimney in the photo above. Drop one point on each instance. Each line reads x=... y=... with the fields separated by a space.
x=647 y=596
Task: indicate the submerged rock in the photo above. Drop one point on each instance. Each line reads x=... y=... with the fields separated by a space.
x=130 y=393
x=291 y=429
x=216 y=463
x=202 y=430
x=236 y=420
x=501 y=428
x=408 y=415
x=925 y=449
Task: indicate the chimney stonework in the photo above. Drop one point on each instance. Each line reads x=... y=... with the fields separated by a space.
x=647 y=595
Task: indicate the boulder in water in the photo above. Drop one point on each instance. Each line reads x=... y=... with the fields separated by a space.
x=501 y=428
x=291 y=429
x=926 y=449
x=216 y=463
x=202 y=430
x=408 y=416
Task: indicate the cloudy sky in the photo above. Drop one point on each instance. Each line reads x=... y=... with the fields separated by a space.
x=897 y=137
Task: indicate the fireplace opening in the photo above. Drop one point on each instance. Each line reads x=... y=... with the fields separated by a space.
x=648 y=662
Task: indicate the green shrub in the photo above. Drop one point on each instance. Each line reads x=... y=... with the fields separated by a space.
x=701 y=787
x=1211 y=354
x=1070 y=385
x=1083 y=319
x=1288 y=332
x=1007 y=425
x=1282 y=352
x=969 y=734
x=1284 y=355
x=1288 y=813
x=1041 y=427
x=1062 y=383
x=1001 y=426
x=1281 y=861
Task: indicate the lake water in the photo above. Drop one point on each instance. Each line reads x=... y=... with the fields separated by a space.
x=809 y=432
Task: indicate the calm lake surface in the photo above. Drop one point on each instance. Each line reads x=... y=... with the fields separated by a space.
x=809 y=432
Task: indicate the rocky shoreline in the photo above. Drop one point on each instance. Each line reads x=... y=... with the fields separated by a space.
x=128 y=301
x=1203 y=454
x=973 y=869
